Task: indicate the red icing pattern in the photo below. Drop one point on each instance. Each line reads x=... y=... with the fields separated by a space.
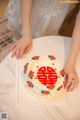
x=47 y=75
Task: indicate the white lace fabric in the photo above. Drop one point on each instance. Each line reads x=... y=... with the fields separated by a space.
x=47 y=16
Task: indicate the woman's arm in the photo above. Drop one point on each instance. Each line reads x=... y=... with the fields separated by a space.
x=71 y=81
x=25 y=43
x=26 y=10
x=75 y=45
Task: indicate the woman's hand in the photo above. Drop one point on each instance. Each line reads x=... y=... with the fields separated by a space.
x=21 y=47
x=71 y=78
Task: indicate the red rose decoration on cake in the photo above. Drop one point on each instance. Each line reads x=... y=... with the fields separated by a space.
x=62 y=72
x=59 y=88
x=45 y=92
x=51 y=57
x=50 y=86
x=31 y=74
x=26 y=67
x=30 y=84
x=35 y=58
x=25 y=70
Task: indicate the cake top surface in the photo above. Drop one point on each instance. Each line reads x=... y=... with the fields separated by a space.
x=43 y=75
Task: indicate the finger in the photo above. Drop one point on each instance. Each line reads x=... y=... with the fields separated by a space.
x=22 y=51
x=71 y=87
x=17 y=54
x=69 y=80
x=13 y=46
x=65 y=79
x=76 y=83
x=26 y=50
x=14 y=52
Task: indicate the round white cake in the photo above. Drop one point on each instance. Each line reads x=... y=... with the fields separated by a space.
x=43 y=75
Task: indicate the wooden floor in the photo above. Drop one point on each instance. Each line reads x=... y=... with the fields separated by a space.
x=3 y=5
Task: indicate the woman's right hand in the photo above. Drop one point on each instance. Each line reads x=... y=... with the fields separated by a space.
x=21 y=47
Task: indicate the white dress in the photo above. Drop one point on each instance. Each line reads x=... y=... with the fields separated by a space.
x=47 y=16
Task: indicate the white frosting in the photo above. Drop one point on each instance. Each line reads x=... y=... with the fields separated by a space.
x=34 y=66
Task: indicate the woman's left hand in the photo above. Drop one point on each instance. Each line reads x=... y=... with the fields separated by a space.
x=71 y=78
